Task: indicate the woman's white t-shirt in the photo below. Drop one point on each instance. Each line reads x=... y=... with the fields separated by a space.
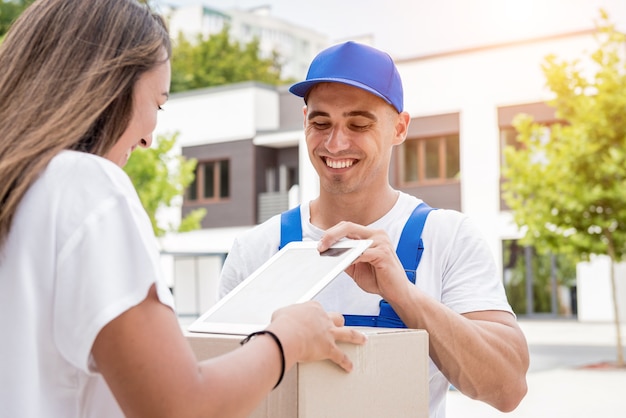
x=80 y=252
x=457 y=268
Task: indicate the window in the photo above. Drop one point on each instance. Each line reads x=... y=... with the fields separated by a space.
x=508 y=138
x=541 y=113
x=532 y=280
x=212 y=182
x=430 y=160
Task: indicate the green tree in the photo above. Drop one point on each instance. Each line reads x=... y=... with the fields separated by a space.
x=565 y=183
x=9 y=11
x=217 y=60
x=160 y=176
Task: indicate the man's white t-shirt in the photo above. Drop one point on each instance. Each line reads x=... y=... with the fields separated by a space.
x=457 y=268
x=80 y=252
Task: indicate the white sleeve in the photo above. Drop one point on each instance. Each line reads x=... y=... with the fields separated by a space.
x=105 y=267
x=470 y=277
x=249 y=251
x=234 y=270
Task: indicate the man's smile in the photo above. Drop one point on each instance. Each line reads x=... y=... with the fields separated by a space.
x=339 y=163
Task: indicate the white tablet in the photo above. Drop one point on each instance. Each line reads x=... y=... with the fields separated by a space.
x=295 y=274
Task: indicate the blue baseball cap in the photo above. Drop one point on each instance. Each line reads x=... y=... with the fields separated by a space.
x=357 y=65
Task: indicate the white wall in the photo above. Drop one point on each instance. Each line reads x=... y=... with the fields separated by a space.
x=595 y=300
x=219 y=114
x=194 y=281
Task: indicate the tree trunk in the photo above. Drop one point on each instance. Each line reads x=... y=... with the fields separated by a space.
x=618 y=328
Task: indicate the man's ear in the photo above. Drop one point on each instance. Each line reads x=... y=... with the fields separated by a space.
x=402 y=127
x=304 y=112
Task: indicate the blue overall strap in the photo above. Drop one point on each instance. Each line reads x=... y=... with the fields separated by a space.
x=290 y=226
x=409 y=251
x=411 y=238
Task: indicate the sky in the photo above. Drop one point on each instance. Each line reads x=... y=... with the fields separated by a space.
x=410 y=28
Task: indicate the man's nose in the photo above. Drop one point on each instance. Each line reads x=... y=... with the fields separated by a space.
x=337 y=140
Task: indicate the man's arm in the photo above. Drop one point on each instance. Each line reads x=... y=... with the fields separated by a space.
x=483 y=354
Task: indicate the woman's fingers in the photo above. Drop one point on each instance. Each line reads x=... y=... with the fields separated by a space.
x=341 y=359
x=337 y=318
x=343 y=334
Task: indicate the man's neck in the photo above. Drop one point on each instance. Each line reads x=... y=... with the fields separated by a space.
x=330 y=209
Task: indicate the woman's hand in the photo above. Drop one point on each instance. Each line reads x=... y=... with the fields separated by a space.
x=309 y=333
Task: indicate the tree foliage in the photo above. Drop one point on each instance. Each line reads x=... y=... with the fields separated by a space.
x=9 y=11
x=160 y=177
x=216 y=60
x=566 y=183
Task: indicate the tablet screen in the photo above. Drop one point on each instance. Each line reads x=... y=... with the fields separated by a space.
x=295 y=274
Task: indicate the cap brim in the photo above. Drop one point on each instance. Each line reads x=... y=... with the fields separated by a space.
x=301 y=89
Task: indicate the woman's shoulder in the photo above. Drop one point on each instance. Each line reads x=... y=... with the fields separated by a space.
x=76 y=185
x=76 y=167
x=78 y=176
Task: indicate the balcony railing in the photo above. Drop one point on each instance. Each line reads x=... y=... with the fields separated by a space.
x=271 y=204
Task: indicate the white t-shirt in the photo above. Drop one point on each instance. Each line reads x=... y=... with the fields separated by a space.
x=80 y=252
x=457 y=268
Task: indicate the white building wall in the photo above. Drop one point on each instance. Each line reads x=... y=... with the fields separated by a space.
x=595 y=300
x=219 y=114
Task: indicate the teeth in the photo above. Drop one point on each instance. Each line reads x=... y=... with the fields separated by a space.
x=339 y=163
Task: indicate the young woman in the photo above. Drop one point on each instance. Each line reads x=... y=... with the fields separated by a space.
x=87 y=326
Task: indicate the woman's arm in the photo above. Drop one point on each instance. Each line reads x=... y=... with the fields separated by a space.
x=152 y=370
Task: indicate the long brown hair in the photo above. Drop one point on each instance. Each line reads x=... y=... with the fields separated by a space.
x=68 y=68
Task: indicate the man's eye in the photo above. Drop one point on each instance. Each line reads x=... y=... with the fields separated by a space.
x=359 y=127
x=321 y=125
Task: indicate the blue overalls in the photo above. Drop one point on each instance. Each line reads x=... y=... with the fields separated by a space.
x=410 y=239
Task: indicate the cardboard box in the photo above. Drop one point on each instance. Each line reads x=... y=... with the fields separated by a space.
x=389 y=379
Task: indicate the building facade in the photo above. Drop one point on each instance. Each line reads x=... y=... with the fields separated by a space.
x=253 y=162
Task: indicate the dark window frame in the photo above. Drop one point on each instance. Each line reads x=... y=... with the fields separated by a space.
x=199 y=182
x=420 y=145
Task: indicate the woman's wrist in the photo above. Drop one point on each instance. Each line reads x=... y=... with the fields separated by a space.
x=283 y=363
